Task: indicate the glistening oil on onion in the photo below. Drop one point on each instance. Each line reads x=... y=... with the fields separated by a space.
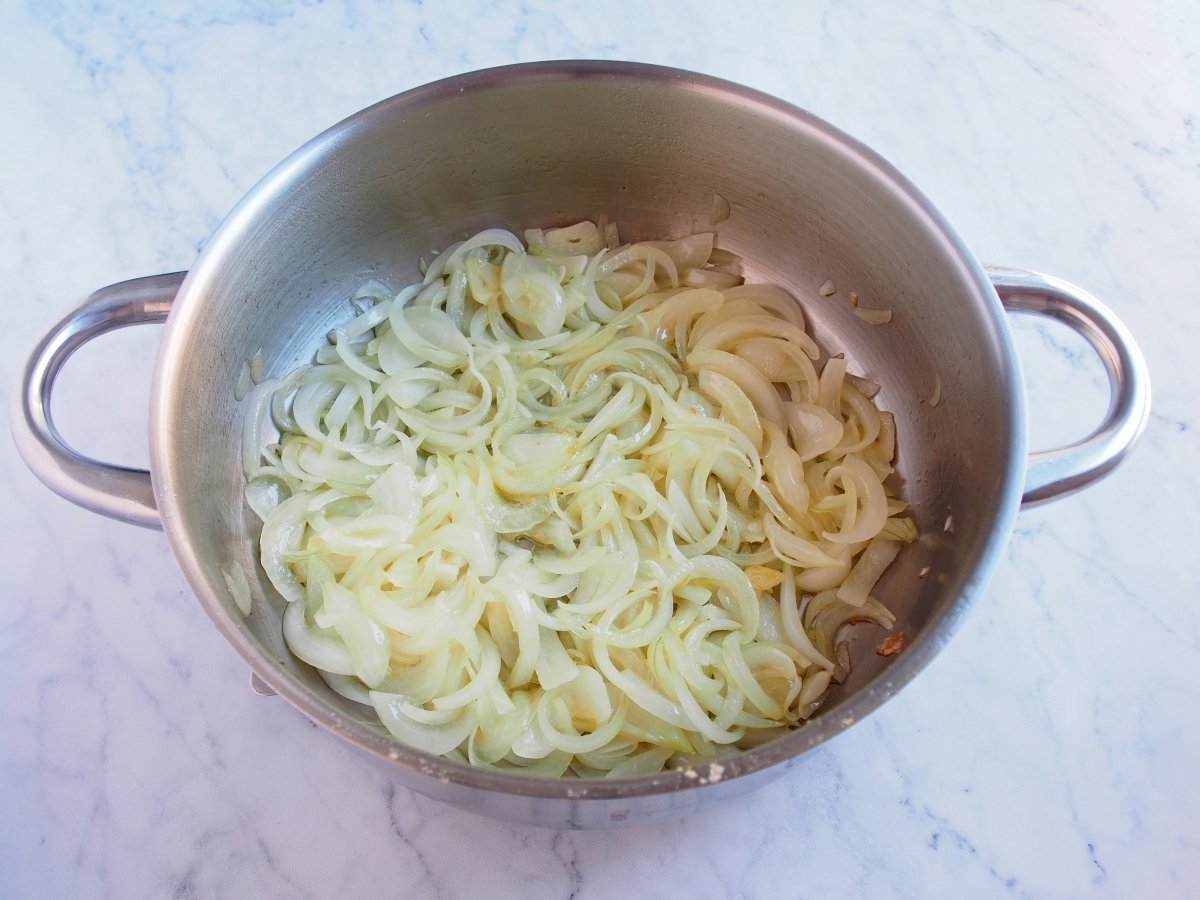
x=568 y=506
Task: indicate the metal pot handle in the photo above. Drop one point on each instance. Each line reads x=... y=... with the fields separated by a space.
x=1056 y=473
x=115 y=491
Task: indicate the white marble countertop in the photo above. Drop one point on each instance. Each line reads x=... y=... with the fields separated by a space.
x=1050 y=751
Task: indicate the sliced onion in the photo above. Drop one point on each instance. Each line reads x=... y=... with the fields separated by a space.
x=870 y=566
x=588 y=509
x=437 y=738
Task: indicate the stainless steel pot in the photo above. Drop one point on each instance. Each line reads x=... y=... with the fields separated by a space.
x=552 y=143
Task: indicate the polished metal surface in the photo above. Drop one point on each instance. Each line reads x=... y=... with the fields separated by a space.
x=1064 y=470
x=260 y=687
x=549 y=144
x=111 y=490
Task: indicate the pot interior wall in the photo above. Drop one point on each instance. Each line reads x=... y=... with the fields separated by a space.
x=371 y=197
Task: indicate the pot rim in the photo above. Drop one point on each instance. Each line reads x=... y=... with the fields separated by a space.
x=829 y=721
